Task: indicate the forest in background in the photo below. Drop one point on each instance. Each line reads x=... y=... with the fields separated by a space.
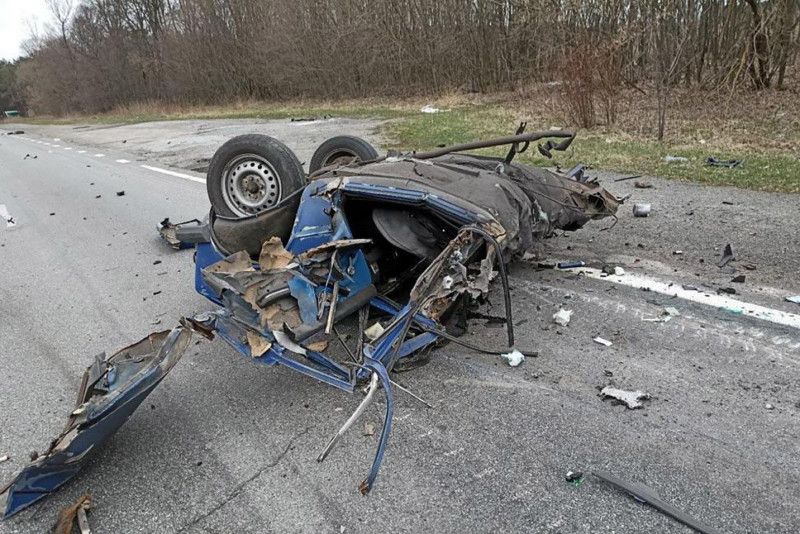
x=97 y=55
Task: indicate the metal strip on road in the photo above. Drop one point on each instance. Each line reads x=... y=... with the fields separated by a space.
x=173 y=173
x=731 y=305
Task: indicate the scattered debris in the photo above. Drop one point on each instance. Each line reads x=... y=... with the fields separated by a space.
x=575 y=477
x=120 y=193
x=369 y=428
x=727 y=202
x=641 y=210
x=711 y=161
x=642 y=185
x=727 y=256
x=619 y=271
x=677 y=252
x=562 y=317
x=727 y=290
x=628 y=178
x=675 y=159
x=738 y=279
x=430 y=109
x=631 y=399
x=514 y=357
x=642 y=493
x=10 y=222
x=184 y=234
x=666 y=315
x=570 y=264
x=4 y=458
x=74 y=514
x=602 y=341
x=794 y=298
x=769 y=406
x=16 y=132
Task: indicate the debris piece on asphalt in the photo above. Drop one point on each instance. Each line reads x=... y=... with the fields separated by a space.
x=562 y=317
x=794 y=298
x=10 y=222
x=727 y=256
x=727 y=290
x=575 y=477
x=369 y=428
x=514 y=357
x=184 y=234
x=641 y=210
x=666 y=315
x=602 y=341
x=570 y=264
x=738 y=279
x=98 y=196
x=675 y=159
x=627 y=178
x=769 y=406
x=72 y=514
x=120 y=193
x=4 y=458
x=642 y=185
x=711 y=161
x=619 y=271
x=749 y=266
x=631 y=399
x=677 y=252
x=642 y=493
x=727 y=202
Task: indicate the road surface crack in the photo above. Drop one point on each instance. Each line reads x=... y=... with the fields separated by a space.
x=241 y=486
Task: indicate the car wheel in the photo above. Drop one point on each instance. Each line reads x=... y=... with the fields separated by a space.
x=250 y=174
x=341 y=150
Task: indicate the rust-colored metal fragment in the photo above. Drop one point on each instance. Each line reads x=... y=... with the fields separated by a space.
x=68 y=516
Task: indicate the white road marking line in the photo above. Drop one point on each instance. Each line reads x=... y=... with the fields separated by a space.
x=729 y=304
x=123 y=161
x=173 y=173
x=81 y=152
x=10 y=222
x=99 y=155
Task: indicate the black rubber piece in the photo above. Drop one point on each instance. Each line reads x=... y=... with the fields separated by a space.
x=341 y=146
x=290 y=171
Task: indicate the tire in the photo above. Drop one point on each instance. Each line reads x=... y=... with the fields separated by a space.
x=341 y=149
x=250 y=174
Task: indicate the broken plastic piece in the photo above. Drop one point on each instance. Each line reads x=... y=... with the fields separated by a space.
x=183 y=234
x=642 y=493
x=514 y=357
x=602 y=341
x=562 y=317
x=795 y=299
x=631 y=399
x=374 y=332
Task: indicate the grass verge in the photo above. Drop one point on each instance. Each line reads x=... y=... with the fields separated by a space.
x=769 y=164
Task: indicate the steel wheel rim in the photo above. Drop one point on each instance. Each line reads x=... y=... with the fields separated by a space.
x=250 y=185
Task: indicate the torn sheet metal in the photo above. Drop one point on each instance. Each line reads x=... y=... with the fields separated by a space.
x=111 y=389
x=631 y=399
x=72 y=514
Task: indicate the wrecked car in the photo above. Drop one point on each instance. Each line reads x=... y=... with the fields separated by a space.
x=396 y=245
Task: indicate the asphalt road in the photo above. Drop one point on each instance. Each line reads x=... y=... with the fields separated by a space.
x=224 y=445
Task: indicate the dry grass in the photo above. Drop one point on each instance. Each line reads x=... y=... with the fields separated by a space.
x=762 y=128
